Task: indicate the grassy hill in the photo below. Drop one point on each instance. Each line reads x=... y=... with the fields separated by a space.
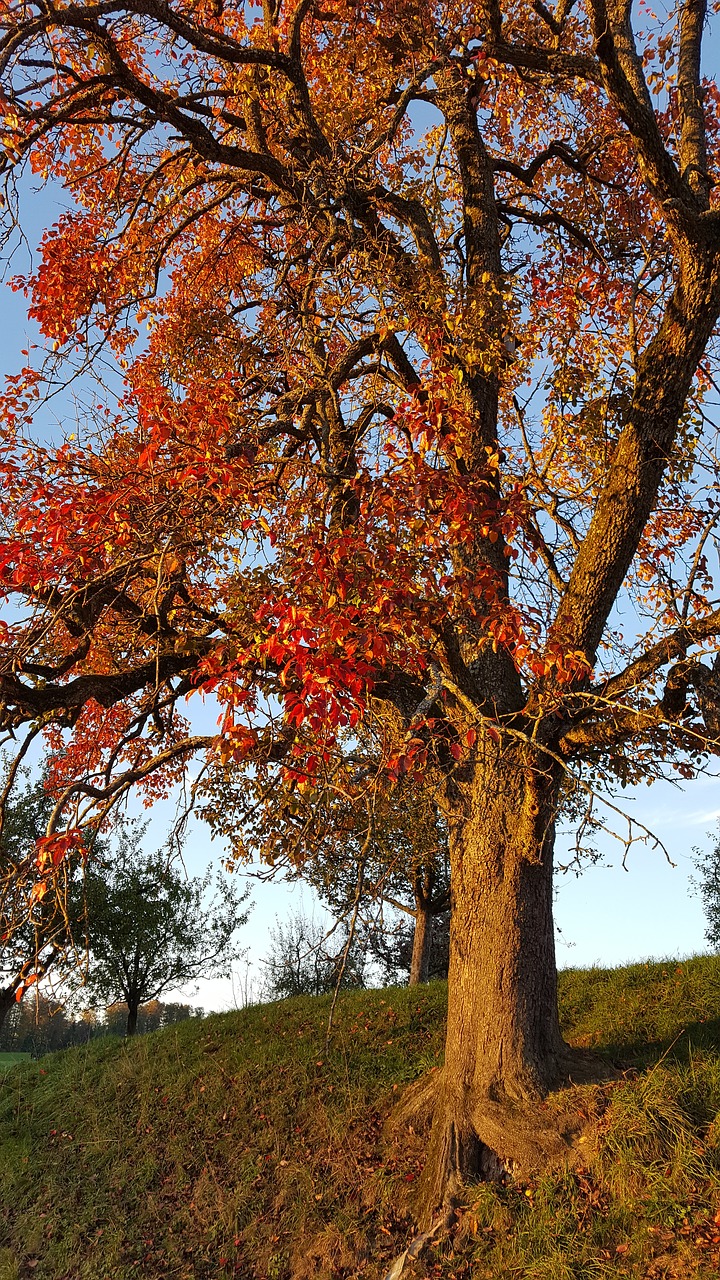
x=238 y=1146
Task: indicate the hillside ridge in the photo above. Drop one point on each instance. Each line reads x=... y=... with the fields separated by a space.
x=237 y=1146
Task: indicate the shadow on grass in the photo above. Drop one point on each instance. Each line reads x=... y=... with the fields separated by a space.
x=696 y=1037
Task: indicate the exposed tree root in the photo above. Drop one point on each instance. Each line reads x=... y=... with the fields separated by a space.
x=417 y=1104
x=415 y=1249
x=493 y=1138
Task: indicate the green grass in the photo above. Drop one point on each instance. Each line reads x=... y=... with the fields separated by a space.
x=9 y=1059
x=238 y=1146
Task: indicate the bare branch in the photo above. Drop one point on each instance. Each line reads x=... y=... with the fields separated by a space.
x=676 y=645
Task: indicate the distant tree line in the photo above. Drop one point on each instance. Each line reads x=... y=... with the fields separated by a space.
x=39 y=1025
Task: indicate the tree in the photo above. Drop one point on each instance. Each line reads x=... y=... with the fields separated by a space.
x=304 y=960
x=362 y=863
x=149 y=928
x=404 y=870
x=394 y=947
x=415 y=437
x=40 y=906
x=707 y=864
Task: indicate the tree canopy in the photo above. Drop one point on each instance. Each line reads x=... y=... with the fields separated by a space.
x=413 y=306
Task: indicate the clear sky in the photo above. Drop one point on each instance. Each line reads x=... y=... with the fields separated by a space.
x=608 y=915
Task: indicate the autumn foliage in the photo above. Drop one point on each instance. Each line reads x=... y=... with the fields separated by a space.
x=400 y=318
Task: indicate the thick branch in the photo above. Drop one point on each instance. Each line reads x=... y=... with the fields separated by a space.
x=693 y=149
x=626 y=85
x=549 y=62
x=666 y=650
x=21 y=702
x=482 y=242
x=664 y=376
x=616 y=725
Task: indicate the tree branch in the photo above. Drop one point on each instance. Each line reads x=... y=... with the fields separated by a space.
x=664 y=376
x=666 y=650
x=625 y=82
x=692 y=146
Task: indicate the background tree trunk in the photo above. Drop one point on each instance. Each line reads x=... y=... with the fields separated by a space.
x=7 y=1001
x=504 y=1049
x=132 y=1018
x=422 y=939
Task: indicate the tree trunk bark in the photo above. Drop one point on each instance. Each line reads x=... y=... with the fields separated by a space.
x=132 y=1019
x=504 y=1049
x=7 y=1002
x=422 y=939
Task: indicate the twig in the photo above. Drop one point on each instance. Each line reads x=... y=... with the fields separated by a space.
x=353 y=922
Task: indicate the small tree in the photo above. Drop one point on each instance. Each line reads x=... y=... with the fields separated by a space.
x=400 y=862
x=304 y=962
x=707 y=862
x=408 y=872
x=402 y=872
x=379 y=858
x=394 y=948
x=149 y=928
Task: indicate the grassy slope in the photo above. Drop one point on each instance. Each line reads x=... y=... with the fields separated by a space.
x=238 y=1146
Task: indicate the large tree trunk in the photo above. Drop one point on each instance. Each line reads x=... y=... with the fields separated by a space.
x=504 y=1049
x=132 y=1019
x=422 y=939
